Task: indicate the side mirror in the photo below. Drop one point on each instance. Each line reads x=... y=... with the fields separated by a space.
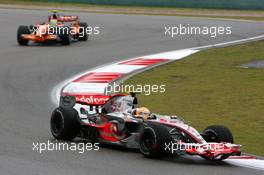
x=135 y=101
x=67 y=101
x=133 y=94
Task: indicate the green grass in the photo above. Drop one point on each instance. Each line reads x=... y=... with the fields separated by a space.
x=256 y=15
x=209 y=88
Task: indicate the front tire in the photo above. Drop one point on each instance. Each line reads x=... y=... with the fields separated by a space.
x=20 y=31
x=64 y=124
x=218 y=133
x=153 y=139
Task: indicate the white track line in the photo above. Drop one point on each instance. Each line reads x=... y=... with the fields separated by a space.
x=248 y=163
x=231 y=42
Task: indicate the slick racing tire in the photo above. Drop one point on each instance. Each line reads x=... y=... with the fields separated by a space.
x=64 y=123
x=64 y=35
x=218 y=133
x=20 y=31
x=83 y=35
x=65 y=39
x=153 y=139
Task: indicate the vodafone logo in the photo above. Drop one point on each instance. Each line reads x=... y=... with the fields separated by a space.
x=92 y=99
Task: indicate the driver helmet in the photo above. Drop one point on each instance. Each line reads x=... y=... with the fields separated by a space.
x=54 y=16
x=142 y=112
x=53 y=19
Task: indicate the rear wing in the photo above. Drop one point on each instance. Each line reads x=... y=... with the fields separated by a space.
x=68 y=18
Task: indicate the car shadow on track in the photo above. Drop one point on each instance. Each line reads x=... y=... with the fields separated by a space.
x=51 y=44
x=190 y=160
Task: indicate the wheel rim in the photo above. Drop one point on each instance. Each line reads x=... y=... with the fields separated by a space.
x=147 y=142
x=212 y=135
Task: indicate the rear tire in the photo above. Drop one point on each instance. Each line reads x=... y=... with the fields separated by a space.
x=64 y=34
x=152 y=140
x=84 y=35
x=65 y=39
x=20 y=31
x=64 y=123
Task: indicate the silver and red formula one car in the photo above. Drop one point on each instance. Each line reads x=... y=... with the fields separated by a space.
x=116 y=120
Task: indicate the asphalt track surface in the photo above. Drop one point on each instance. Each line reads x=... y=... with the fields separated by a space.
x=28 y=74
